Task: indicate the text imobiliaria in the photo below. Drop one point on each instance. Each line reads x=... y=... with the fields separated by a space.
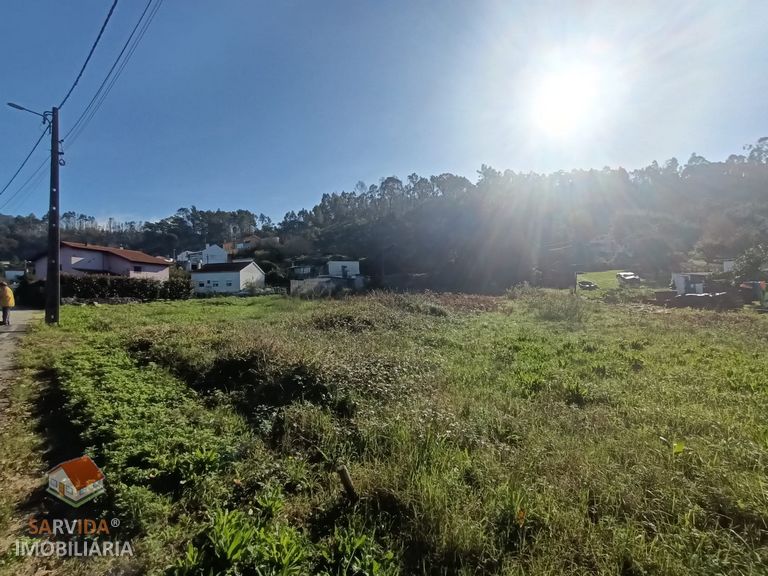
x=77 y=537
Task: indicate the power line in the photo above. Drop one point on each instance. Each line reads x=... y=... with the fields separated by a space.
x=26 y=183
x=109 y=80
x=101 y=93
x=90 y=53
x=24 y=162
x=82 y=70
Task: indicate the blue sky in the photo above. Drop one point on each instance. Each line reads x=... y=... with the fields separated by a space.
x=268 y=105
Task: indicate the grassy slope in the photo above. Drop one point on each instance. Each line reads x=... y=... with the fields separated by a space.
x=548 y=436
x=605 y=280
x=609 y=290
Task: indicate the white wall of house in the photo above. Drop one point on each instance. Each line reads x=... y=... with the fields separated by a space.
x=212 y=254
x=343 y=268
x=79 y=261
x=695 y=287
x=124 y=267
x=59 y=477
x=227 y=282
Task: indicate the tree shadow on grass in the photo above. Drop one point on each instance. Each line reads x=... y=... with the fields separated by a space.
x=60 y=441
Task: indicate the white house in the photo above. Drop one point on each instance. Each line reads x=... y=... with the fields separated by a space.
x=343 y=268
x=82 y=258
x=229 y=277
x=76 y=481
x=689 y=283
x=194 y=260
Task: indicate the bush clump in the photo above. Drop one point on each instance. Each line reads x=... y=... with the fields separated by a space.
x=411 y=303
x=555 y=305
x=100 y=287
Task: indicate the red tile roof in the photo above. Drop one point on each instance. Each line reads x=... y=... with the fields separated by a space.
x=81 y=471
x=130 y=255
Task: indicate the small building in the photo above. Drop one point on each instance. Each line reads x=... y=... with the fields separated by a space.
x=79 y=259
x=193 y=260
x=327 y=278
x=227 y=278
x=689 y=282
x=251 y=242
x=342 y=268
x=325 y=285
x=301 y=272
x=318 y=268
x=76 y=481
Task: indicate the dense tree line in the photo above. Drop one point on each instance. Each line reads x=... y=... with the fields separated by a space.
x=484 y=235
x=22 y=237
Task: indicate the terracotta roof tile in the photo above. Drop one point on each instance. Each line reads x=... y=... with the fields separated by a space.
x=130 y=255
x=81 y=471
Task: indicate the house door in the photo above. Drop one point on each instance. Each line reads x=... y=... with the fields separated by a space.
x=61 y=488
x=344 y=272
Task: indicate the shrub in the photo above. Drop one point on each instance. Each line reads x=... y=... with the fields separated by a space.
x=520 y=291
x=30 y=292
x=626 y=295
x=233 y=543
x=103 y=287
x=556 y=305
x=547 y=304
x=176 y=288
x=353 y=552
x=411 y=303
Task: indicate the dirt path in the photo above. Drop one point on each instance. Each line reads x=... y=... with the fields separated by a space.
x=20 y=472
x=9 y=338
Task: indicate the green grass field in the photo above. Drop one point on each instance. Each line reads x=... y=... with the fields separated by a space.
x=538 y=434
x=610 y=291
x=605 y=280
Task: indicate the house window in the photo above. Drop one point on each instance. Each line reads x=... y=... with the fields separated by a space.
x=229 y=283
x=68 y=490
x=207 y=281
x=53 y=483
x=201 y=284
x=137 y=268
x=215 y=284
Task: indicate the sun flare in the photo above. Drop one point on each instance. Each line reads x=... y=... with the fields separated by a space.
x=565 y=102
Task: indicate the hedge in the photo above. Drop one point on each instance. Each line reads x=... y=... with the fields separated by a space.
x=144 y=289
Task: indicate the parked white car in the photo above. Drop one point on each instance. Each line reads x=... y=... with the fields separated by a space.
x=628 y=278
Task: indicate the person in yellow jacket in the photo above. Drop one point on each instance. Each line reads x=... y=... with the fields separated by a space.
x=7 y=302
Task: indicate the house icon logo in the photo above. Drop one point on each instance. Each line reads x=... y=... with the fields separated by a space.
x=76 y=481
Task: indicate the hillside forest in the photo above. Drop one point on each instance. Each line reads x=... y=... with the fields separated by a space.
x=483 y=236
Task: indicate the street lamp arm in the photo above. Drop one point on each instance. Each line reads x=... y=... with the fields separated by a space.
x=44 y=115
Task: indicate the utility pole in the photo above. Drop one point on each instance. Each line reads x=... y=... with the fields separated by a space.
x=53 y=278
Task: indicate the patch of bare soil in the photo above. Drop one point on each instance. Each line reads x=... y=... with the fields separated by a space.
x=467 y=303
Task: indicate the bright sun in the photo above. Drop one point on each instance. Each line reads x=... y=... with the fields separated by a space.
x=565 y=102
